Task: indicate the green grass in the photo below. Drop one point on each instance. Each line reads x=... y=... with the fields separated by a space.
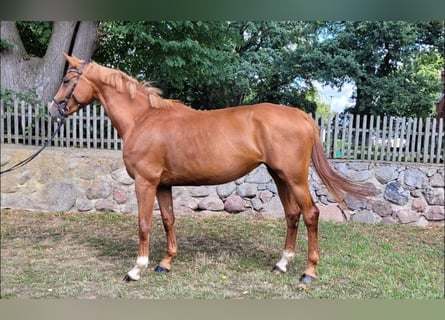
x=53 y=255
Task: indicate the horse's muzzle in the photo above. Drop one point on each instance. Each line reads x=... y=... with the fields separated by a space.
x=56 y=112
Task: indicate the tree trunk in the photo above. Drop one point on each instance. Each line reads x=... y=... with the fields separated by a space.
x=22 y=73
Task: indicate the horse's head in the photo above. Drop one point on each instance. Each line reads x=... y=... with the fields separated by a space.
x=74 y=92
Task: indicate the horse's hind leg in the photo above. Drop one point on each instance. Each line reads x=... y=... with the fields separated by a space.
x=310 y=218
x=292 y=214
x=165 y=201
x=295 y=197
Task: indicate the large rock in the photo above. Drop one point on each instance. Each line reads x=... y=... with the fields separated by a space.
x=407 y=216
x=211 y=203
x=418 y=205
x=104 y=205
x=358 y=165
x=120 y=196
x=273 y=209
x=200 y=191
x=386 y=174
x=355 y=203
x=256 y=204
x=181 y=198
x=343 y=169
x=122 y=176
x=84 y=205
x=395 y=193
x=437 y=180
x=99 y=190
x=361 y=176
x=435 y=213
x=58 y=196
x=331 y=213
x=366 y=216
x=225 y=190
x=259 y=176
x=32 y=195
x=415 y=178
x=265 y=196
x=434 y=196
x=247 y=190
x=382 y=208
x=234 y=204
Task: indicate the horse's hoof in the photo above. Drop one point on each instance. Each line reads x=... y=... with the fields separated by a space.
x=161 y=269
x=127 y=278
x=277 y=269
x=305 y=281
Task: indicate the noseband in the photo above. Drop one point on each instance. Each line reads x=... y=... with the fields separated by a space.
x=62 y=104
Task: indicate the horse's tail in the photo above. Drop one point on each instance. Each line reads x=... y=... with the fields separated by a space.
x=336 y=184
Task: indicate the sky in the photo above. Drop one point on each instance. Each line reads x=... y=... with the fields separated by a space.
x=338 y=100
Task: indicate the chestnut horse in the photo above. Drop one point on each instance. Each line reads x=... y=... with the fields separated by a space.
x=167 y=143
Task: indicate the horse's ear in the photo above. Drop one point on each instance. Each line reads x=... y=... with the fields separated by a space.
x=73 y=60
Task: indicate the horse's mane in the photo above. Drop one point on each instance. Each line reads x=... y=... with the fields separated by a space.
x=125 y=83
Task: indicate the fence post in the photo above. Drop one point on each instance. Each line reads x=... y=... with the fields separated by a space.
x=371 y=140
x=419 y=141
x=440 y=155
x=377 y=151
x=3 y=115
x=328 y=137
x=67 y=141
x=336 y=131
x=408 y=139
x=35 y=115
x=81 y=133
x=74 y=131
x=88 y=116
x=433 y=140
x=364 y=134
x=9 y=130
x=426 y=140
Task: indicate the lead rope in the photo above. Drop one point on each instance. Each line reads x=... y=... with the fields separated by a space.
x=45 y=144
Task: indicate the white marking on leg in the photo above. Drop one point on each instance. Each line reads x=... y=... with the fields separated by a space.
x=282 y=264
x=141 y=263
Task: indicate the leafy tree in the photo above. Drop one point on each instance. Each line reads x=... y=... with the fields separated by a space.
x=214 y=64
x=210 y=64
x=384 y=60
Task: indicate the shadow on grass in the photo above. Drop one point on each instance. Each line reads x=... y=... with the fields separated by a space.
x=224 y=247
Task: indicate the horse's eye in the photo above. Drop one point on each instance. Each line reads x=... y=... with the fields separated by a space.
x=65 y=80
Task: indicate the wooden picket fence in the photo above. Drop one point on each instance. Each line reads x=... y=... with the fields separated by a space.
x=24 y=123
x=386 y=138
x=378 y=138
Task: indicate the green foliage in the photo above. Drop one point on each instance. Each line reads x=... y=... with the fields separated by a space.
x=212 y=64
x=208 y=64
x=9 y=97
x=322 y=107
x=35 y=36
x=4 y=45
x=391 y=63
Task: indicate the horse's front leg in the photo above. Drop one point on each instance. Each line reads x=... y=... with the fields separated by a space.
x=145 y=194
x=165 y=201
x=292 y=212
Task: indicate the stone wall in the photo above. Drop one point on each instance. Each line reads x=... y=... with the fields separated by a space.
x=78 y=180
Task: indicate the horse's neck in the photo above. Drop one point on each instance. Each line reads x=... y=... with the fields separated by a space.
x=122 y=110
